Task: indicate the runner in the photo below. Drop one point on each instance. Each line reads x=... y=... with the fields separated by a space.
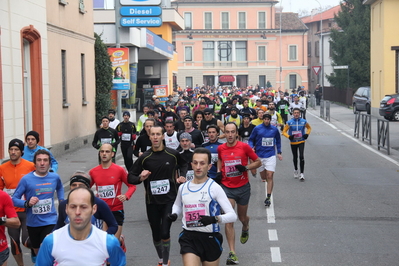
x=265 y=139
x=80 y=243
x=108 y=178
x=8 y=218
x=103 y=213
x=212 y=145
x=158 y=169
x=233 y=165
x=39 y=188
x=200 y=200
x=186 y=153
x=11 y=173
x=295 y=131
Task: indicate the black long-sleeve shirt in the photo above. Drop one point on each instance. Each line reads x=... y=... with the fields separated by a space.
x=108 y=135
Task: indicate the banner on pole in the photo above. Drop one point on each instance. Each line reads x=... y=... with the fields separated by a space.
x=120 y=67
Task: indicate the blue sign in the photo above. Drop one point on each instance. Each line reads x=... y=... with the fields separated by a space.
x=140 y=11
x=141 y=22
x=159 y=45
x=140 y=2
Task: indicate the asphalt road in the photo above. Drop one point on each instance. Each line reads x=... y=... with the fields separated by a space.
x=345 y=213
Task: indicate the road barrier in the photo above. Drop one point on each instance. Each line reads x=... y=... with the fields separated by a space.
x=312 y=101
x=366 y=127
x=357 y=125
x=327 y=118
x=321 y=108
x=383 y=135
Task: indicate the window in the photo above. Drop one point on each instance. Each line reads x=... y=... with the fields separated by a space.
x=292 y=81
x=63 y=78
x=187 y=21
x=188 y=53
x=83 y=74
x=262 y=81
x=261 y=53
x=262 y=20
x=208 y=20
x=101 y=4
x=225 y=20
x=27 y=84
x=309 y=48
x=242 y=20
x=82 y=6
x=224 y=51
x=292 y=53
x=317 y=48
x=189 y=82
x=241 y=51
x=208 y=51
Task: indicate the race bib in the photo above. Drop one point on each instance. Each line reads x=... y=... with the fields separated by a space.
x=106 y=140
x=190 y=175
x=169 y=118
x=297 y=134
x=9 y=191
x=160 y=187
x=42 y=206
x=126 y=137
x=282 y=106
x=246 y=139
x=214 y=158
x=230 y=168
x=193 y=216
x=267 y=142
x=106 y=192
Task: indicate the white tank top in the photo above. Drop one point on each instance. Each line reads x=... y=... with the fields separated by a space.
x=172 y=141
x=196 y=201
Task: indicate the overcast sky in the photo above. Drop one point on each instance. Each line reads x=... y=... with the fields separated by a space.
x=296 y=5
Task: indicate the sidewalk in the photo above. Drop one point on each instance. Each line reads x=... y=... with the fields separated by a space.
x=343 y=118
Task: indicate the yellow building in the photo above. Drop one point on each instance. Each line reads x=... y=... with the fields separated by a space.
x=384 y=65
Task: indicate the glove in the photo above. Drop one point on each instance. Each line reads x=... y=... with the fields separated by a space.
x=172 y=217
x=291 y=137
x=218 y=178
x=207 y=220
x=305 y=136
x=241 y=168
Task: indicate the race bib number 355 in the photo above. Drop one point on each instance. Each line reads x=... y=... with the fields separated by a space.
x=160 y=187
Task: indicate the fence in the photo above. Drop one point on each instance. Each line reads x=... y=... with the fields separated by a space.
x=383 y=135
x=325 y=104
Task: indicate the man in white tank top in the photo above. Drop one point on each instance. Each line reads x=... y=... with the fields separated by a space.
x=200 y=201
x=171 y=140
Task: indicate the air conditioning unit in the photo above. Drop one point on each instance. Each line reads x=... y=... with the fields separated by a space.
x=148 y=70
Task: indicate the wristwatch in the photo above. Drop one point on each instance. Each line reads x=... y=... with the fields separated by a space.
x=217 y=219
x=3 y=220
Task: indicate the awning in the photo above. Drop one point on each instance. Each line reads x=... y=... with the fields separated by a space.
x=226 y=78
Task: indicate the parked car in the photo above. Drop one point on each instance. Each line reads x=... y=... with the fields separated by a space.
x=389 y=107
x=361 y=100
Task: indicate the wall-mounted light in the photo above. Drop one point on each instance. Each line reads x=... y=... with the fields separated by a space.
x=190 y=36
x=263 y=36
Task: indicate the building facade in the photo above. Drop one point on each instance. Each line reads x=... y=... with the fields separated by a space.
x=24 y=72
x=384 y=48
x=319 y=51
x=240 y=43
x=151 y=50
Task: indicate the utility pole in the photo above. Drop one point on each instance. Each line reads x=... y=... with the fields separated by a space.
x=118 y=45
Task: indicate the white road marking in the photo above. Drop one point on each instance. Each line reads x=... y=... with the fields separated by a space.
x=273 y=235
x=275 y=252
x=271 y=219
x=368 y=147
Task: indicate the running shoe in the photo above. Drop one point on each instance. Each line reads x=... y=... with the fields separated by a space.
x=296 y=174
x=232 y=259
x=244 y=236
x=33 y=256
x=122 y=240
x=302 y=178
x=160 y=263
x=267 y=202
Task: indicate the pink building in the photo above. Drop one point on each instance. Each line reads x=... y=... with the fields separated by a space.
x=240 y=43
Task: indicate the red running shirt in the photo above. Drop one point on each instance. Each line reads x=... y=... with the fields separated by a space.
x=231 y=156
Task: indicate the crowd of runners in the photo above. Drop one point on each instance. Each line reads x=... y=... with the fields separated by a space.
x=191 y=154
